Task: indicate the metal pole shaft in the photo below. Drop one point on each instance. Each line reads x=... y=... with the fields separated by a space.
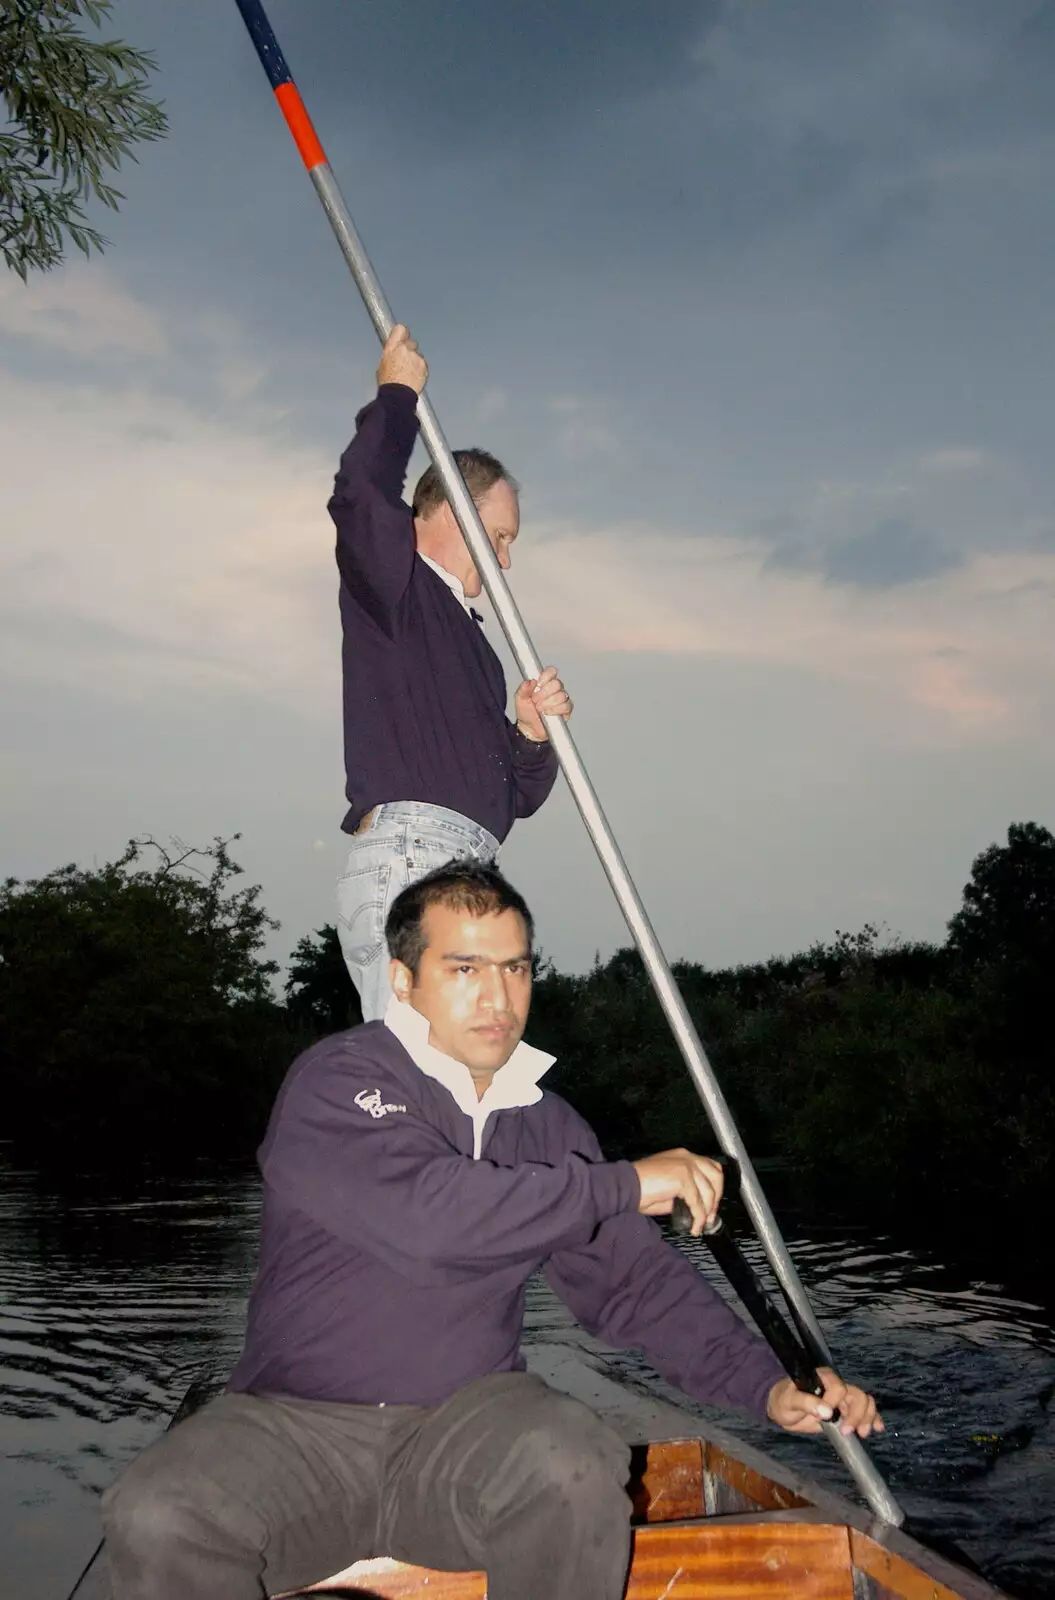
x=585 y=796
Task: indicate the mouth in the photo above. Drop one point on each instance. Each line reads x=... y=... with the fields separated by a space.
x=493 y=1030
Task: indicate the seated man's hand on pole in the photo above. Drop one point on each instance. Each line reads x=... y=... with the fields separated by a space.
x=798 y=1412
x=679 y=1175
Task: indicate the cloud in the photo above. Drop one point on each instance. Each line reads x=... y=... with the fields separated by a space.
x=966 y=657
x=910 y=520
x=79 y=313
x=151 y=542
x=498 y=74
x=892 y=553
x=84 y=320
x=191 y=551
x=956 y=458
x=582 y=427
x=492 y=403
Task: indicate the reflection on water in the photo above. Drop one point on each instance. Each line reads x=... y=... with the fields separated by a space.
x=112 y=1300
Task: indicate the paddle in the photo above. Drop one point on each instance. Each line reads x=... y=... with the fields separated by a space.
x=797 y=1354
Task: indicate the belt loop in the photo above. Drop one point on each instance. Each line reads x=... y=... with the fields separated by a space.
x=370 y=820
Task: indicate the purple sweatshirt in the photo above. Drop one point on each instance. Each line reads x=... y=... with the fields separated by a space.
x=424 y=693
x=393 y=1266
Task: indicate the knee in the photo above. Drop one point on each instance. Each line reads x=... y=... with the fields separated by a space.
x=153 y=1518
x=576 y=1458
x=140 y=1514
x=138 y=1517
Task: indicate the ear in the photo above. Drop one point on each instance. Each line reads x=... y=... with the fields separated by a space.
x=450 y=521
x=402 y=980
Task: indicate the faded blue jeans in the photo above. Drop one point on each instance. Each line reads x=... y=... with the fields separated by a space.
x=405 y=840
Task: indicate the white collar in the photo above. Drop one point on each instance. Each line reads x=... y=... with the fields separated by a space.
x=455 y=585
x=515 y=1084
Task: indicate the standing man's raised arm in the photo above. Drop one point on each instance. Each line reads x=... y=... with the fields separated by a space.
x=375 y=534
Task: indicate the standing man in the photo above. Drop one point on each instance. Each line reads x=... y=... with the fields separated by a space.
x=435 y=768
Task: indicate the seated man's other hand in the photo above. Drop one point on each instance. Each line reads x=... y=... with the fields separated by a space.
x=402 y=361
x=544 y=696
x=803 y=1413
x=680 y=1175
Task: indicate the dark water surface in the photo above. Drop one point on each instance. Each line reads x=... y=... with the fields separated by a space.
x=112 y=1298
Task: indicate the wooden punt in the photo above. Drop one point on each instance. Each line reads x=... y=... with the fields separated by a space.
x=713 y=1519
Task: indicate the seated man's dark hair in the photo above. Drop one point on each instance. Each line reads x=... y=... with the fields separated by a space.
x=481 y=471
x=463 y=885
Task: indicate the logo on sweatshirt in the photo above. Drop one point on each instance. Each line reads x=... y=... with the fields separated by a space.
x=370 y=1100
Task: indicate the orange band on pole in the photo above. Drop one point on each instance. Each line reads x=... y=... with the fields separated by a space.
x=304 y=135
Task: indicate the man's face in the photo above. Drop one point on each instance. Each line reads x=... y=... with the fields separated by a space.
x=499 y=512
x=474 y=986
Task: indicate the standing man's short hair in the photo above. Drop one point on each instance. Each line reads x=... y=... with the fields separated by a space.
x=481 y=471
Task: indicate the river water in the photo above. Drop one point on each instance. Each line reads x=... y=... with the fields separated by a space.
x=113 y=1295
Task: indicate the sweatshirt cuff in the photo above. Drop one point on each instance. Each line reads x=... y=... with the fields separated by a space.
x=756 y=1402
x=531 y=748
x=398 y=396
x=615 y=1187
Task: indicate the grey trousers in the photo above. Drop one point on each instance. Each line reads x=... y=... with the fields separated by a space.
x=253 y=1496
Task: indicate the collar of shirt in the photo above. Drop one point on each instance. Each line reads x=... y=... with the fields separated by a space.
x=455 y=585
x=515 y=1084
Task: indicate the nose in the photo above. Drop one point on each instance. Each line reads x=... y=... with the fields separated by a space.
x=494 y=992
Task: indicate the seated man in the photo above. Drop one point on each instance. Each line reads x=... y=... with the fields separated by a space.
x=415 y=1176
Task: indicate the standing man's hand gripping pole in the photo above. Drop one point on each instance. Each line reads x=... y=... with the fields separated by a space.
x=402 y=361
x=544 y=696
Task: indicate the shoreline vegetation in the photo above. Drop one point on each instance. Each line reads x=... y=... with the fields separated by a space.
x=139 y=1020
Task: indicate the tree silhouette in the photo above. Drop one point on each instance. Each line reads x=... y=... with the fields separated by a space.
x=1008 y=914
x=76 y=108
x=135 y=1004
x=320 y=995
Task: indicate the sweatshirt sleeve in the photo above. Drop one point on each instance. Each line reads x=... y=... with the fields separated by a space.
x=629 y=1287
x=375 y=528
x=388 y=1181
x=534 y=771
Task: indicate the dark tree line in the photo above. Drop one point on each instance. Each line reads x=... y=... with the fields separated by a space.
x=137 y=1013
x=914 y=1075
x=136 y=1008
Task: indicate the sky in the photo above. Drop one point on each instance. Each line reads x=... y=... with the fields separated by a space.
x=754 y=300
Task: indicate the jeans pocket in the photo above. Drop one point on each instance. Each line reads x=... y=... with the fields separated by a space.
x=362 y=893
x=426 y=853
